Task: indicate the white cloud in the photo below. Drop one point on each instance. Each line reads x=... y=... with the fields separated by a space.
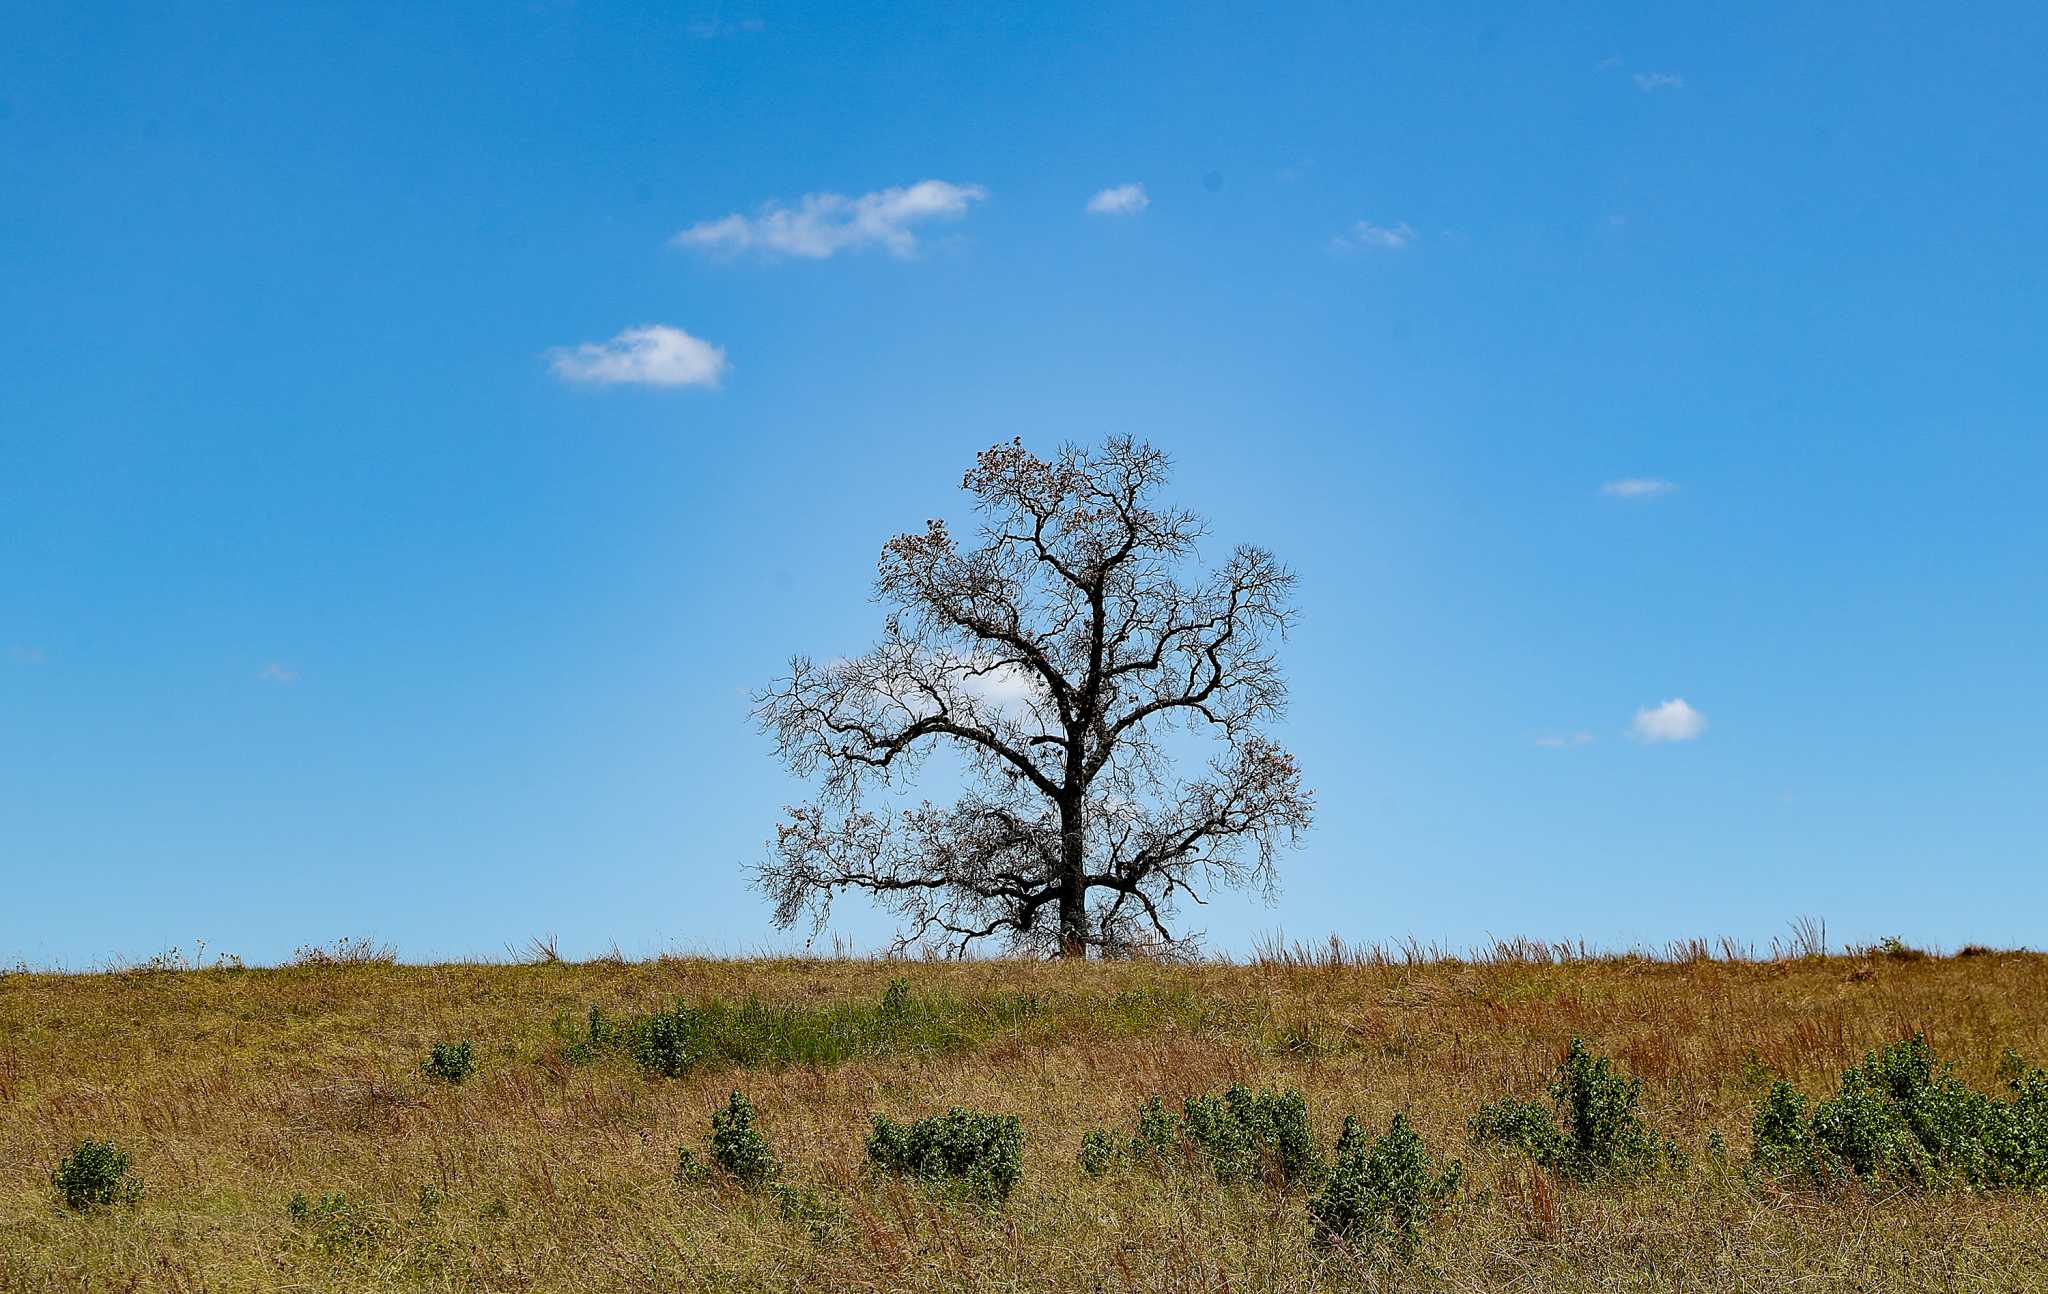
x=1672 y=721
x=1123 y=200
x=712 y=27
x=1565 y=740
x=1637 y=487
x=1367 y=234
x=1011 y=690
x=1650 y=82
x=650 y=355
x=276 y=673
x=822 y=224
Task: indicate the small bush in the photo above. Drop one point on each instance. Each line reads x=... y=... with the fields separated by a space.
x=794 y=1205
x=583 y=1046
x=1894 y=948
x=690 y=1170
x=95 y=1175
x=1155 y=1142
x=666 y=1043
x=982 y=1153
x=333 y=1222
x=451 y=1062
x=1526 y=1126
x=1593 y=1129
x=1901 y=1116
x=1100 y=1152
x=1239 y=1135
x=896 y=998
x=738 y=1147
x=1381 y=1195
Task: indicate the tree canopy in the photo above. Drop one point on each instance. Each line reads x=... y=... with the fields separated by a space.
x=1109 y=701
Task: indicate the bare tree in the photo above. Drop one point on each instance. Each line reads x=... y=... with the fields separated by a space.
x=1072 y=662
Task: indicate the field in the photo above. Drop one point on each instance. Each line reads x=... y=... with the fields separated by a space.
x=552 y=1168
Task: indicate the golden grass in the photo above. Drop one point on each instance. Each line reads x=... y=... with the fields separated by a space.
x=236 y=1089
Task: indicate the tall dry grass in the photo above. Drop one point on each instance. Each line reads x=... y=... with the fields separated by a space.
x=234 y=1090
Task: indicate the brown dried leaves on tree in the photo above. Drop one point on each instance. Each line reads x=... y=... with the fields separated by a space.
x=1074 y=664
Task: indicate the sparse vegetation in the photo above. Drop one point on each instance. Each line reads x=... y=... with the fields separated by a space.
x=233 y=1091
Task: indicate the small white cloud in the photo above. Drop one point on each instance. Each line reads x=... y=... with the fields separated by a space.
x=650 y=355
x=1565 y=740
x=1011 y=690
x=1637 y=487
x=1672 y=721
x=276 y=673
x=1651 y=82
x=823 y=224
x=713 y=26
x=1365 y=233
x=1123 y=200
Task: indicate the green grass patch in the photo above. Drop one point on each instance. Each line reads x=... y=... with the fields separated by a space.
x=754 y=1034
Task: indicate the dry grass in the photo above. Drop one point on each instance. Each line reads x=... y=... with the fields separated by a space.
x=236 y=1089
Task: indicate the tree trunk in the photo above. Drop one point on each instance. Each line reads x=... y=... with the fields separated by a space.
x=1073 y=886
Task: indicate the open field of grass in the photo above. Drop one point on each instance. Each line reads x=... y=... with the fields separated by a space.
x=552 y=1168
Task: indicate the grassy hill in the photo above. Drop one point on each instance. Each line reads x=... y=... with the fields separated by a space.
x=288 y=1137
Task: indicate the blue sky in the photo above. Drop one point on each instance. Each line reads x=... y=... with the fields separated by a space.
x=363 y=571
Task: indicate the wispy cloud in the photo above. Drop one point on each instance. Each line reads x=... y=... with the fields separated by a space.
x=1123 y=200
x=713 y=26
x=650 y=355
x=26 y=655
x=824 y=224
x=1672 y=721
x=1638 y=487
x=1366 y=234
x=1651 y=82
x=277 y=673
x=1565 y=740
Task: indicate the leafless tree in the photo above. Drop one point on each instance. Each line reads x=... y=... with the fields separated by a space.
x=1072 y=661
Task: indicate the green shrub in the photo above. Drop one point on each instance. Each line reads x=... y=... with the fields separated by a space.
x=1100 y=1152
x=896 y=998
x=1592 y=1130
x=981 y=1153
x=598 y=1035
x=794 y=1205
x=332 y=1222
x=1901 y=1116
x=1239 y=1135
x=94 y=1175
x=690 y=1170
x=1381 y=1195
x=1155 y=1142
x=738 y=1147
x=666 y=1043
x=451 y=1062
